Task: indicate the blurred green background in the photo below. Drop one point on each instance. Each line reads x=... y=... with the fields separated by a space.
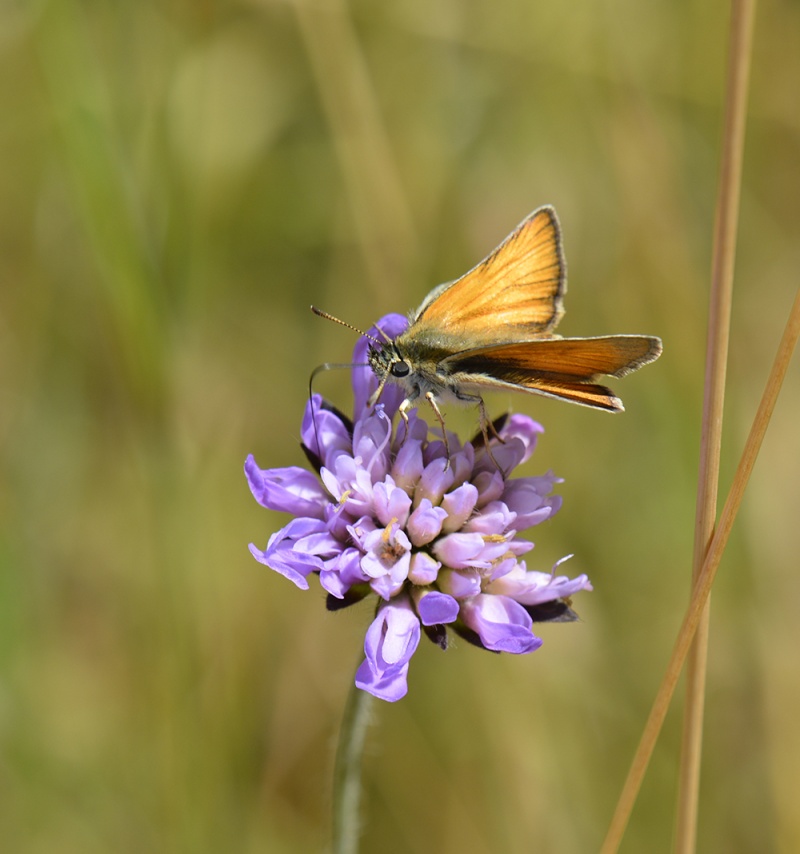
x=179 y=181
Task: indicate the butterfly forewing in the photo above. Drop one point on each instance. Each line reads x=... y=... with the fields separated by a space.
x=514 y=293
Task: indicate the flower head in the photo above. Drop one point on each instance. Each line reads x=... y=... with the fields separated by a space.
x=436 y=539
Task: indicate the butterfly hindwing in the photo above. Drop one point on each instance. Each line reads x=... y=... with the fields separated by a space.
x=565 y=368
x=578 y=358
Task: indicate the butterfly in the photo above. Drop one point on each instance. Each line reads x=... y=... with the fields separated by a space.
x=493 y=329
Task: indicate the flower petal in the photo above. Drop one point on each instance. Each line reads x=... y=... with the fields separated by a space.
x=494 y=518
x=436 y=608
x=425 y=523
x=460 y=583
x=390 y=642
x=501 y=623
x=408 y=464
x=371 y=443
x=521 y=433
x=342 y=572
x=459 y=504
x=437 y=478
x=423 y=569
x=458 y=550
x=390 y=503
x=290 y=490
x=490 y=485
x=284 y=561
x=533 y=588
x=390 y=685
x=386 y=587
x=530 y=498
x=323 y=432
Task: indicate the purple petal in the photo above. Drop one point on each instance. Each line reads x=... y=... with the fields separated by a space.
x=323 y=432
x=458 y=550
x=338 y=521
x=396 y=572
x=282 y=556
x=533 y=588
x=321 y=544
x=490 y=485
x=386 y=554
x=435 y=450
x=503 y=567
x=285 y=562
x=519 y=547
x=459 y=505
x=435 y=481
x=337 y=478
x=501 y=623
x=493 y=550
x=390 y=685
x=425 y=523
x=390 y=642
x=462 y=460
x=296 y=530
x=359 y=529
x=530 y=499
x=423 y=569
x=408 y=464
x=436 y=608
x=393 y=636
x=391 y=503
x=348 y=482
x=290 y=490
x=371 y=443
x=461 y=584
x=465 y=549
x=342 y=572
x=521 y=433
x=494 y=518
x=519 y=436
x=386 y=587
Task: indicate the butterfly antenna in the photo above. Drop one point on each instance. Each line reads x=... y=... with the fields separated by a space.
x=320 y=313
x=327 y=366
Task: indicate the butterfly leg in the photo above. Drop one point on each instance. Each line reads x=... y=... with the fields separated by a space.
x=403 y=410
x=487 y=422
x=486 y=441
x=431 y=398
x=486 y=425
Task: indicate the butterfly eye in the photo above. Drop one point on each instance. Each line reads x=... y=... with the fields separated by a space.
x=400 y=369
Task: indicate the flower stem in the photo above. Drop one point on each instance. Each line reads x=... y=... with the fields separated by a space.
x=347 y=771
x=703 y=584
x=727 y=215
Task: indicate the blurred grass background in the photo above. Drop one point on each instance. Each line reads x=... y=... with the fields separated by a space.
x=179 y=182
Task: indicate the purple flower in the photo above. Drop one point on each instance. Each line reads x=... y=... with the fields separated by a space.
x=391 y=641
x=435 y=539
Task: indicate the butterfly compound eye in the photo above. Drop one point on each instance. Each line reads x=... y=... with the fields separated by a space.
x=400 y=369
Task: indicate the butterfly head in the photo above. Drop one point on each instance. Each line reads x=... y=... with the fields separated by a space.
x=389 y=365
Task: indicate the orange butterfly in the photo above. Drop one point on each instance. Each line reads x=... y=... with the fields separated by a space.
x=493 y=329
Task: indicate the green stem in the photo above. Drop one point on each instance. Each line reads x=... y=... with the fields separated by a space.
x=347 y=771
